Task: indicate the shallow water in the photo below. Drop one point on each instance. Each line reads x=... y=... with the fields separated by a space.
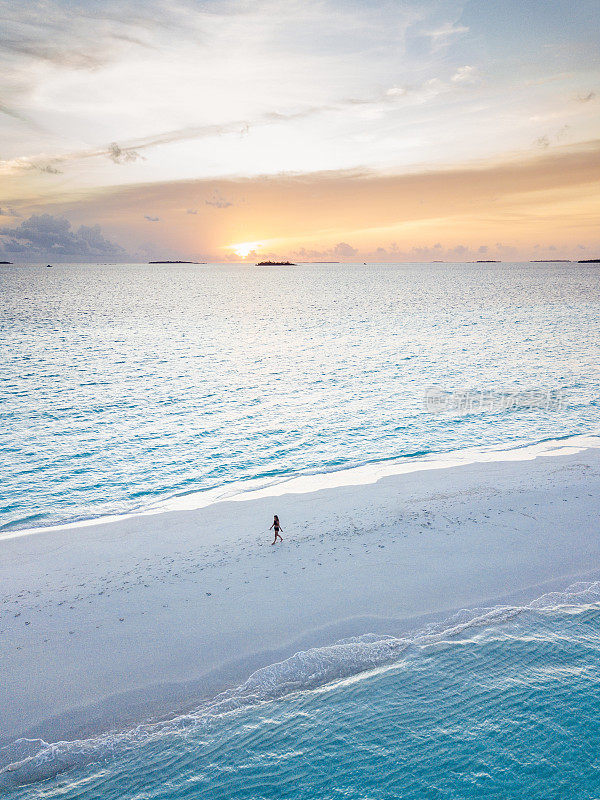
x=492 y=703
x=124 y=384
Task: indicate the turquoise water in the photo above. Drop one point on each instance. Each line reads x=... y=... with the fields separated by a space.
x=498 y=703
x=125 y=384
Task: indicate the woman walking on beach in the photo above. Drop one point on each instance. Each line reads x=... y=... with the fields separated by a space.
x=275 y=526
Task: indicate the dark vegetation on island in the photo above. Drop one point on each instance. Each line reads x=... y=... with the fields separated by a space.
x=589 y=261
x=275 y=264
x=177 y=262
x=6 y=262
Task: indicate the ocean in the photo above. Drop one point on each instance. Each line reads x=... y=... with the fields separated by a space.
x=124 y=385
x=496 y=702
x=128 y=385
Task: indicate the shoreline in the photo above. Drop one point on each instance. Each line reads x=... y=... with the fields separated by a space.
x=30 y=760
x=109 y=624
x=304 y=483
x=185 y=698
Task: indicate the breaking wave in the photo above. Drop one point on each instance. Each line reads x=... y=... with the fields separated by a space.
x=30 y=760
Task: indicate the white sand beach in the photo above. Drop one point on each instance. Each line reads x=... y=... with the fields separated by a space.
x=112 y=623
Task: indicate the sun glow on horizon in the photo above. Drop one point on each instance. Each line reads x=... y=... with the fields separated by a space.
x=243 y=249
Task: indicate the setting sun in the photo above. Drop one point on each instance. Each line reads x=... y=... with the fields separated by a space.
x=243 y=249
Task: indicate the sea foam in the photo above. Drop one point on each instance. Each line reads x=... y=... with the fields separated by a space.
x=32 y=760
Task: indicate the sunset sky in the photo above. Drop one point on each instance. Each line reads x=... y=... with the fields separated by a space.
x=308 y=130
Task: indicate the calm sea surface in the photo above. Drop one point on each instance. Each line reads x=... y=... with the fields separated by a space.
x=125 y=384
x=122 y=384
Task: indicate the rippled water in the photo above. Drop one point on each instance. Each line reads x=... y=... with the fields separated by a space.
x=121 y=384
x=502 y=703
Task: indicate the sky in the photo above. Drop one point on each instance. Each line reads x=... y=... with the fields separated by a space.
x=312 y=130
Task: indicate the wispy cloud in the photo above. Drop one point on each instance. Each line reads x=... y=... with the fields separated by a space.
x=80 y=35
x=151 y=219
x=121 y=155
x=466 y=74
x=447 y=30
x=11 y=111
x=132 y=150
x=39 y=163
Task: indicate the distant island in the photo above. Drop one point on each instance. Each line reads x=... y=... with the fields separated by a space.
x=177 y=262
x=488 y=261
x=6 y=262
x=589 y=261
x=550 y=261
x=275 y=264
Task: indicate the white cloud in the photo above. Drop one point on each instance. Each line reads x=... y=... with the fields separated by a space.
x=466 y=74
